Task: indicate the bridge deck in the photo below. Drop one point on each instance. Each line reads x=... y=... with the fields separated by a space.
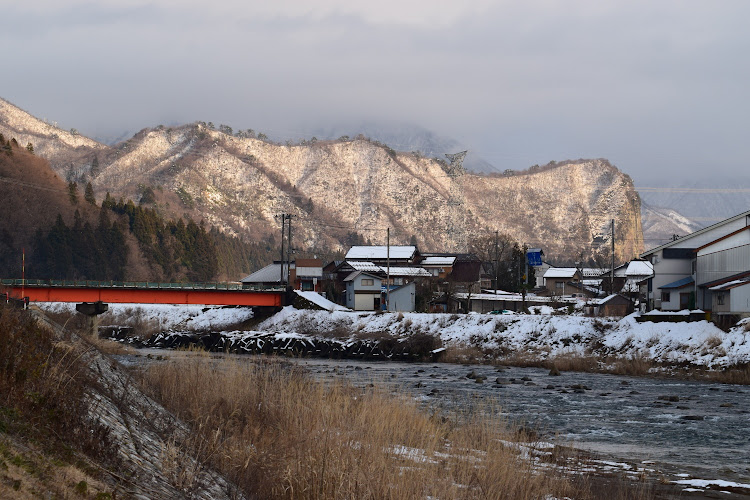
x=144 y=292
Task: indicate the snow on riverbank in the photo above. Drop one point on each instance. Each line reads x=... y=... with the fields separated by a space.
x=700 y=343
x=542 y=335
x=164 y=317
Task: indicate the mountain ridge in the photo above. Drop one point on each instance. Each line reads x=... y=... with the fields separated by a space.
x=350 y=190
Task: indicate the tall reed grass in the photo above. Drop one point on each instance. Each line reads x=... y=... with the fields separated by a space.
x=278 y=433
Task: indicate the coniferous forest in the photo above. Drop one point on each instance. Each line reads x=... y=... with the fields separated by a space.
x=176 y=250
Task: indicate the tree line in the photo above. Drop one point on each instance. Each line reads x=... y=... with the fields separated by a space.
x=180 y=250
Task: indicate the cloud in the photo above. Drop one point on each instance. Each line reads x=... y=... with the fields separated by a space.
x=655 y=86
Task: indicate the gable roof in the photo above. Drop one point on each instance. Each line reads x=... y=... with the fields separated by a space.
x=731 y=284
x=721 y=281
x=696 y=233
x=639 y=268
x=380 y=252
x=726 y=236
x=438 y=261
x=269 y=274
x=560 y=272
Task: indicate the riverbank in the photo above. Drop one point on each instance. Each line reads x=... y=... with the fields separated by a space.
x=554 y=341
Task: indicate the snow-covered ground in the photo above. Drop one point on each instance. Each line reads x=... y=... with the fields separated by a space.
x=542 y=335
x=700 y=343
x=163 y=317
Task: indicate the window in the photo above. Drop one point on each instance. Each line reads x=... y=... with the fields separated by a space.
x=368 y=282
x=720 y=299
x=665 y=296
x=560 y=284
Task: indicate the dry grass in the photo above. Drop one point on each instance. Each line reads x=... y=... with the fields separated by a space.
x=458 y=354
x=278 y=433
x=738 y=374
x=43 y=382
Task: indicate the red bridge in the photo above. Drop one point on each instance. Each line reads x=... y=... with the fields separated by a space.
x=143 y=292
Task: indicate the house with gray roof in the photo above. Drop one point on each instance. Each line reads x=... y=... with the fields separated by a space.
x=684 y=267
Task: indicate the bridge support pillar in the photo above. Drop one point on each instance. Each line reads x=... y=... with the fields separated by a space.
x=92 y=310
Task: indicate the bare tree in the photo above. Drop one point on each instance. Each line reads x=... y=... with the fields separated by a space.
x=496 y=251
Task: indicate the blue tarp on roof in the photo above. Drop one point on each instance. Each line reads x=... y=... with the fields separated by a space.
x=679 y=283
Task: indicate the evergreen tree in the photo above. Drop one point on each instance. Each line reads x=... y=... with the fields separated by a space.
x=89 y=194
x=73 y=192
x=95 y=166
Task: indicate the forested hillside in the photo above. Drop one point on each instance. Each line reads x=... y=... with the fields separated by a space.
x=66 y=235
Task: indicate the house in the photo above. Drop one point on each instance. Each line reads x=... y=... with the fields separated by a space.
x=612 y=305
x=439 y=266
x=555 y=279
x=539 y=274
x=307 y=275
x=274 y=274
x=366 y=291
x=403 y=298
x=487 y=302
x=636 y=273
x=460 y=267
x=363 y=291
x=720 y=261
x=304 y=274
x=397 y=255
x=683 y=267
x=731 y=298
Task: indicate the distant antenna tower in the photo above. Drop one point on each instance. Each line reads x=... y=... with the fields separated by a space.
x=456 y=167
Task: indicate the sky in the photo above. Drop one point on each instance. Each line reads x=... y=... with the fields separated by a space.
x=660 y=88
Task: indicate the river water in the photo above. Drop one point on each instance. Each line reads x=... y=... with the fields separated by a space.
x=683 y=428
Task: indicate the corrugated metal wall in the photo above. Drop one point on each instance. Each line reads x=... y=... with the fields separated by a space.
x=719 y=265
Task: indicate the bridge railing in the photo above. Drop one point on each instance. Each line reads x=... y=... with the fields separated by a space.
x=31 y=283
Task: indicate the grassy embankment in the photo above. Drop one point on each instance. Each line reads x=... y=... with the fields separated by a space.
x=48 y=445
x=277 y=433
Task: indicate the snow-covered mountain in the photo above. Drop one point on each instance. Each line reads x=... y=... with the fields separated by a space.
x=661 y=224
x=345 y=191
x=407 y=137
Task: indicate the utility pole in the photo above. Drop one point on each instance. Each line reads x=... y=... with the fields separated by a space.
x=497 y=269
x=388 y=268
x=23 y=276
x=526 y=263
x=289 y=248
x=612 y=273
x=281 y=261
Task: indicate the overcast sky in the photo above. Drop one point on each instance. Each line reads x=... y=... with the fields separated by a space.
x=658 y=87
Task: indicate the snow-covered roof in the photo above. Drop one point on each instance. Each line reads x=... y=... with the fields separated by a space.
x=394 y=270
x=499 y=292
x=560 y=272
x=364 y=266
x=590 y=272
x=380 y=252
x=321 y=301
x=640 y=268
x=406 y=271
x=513 y=297
x=731 y=284
x=269 y=274
x=604 y=300
x=438 y=261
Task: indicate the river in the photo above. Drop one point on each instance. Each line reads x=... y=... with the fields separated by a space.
x=683 y=428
